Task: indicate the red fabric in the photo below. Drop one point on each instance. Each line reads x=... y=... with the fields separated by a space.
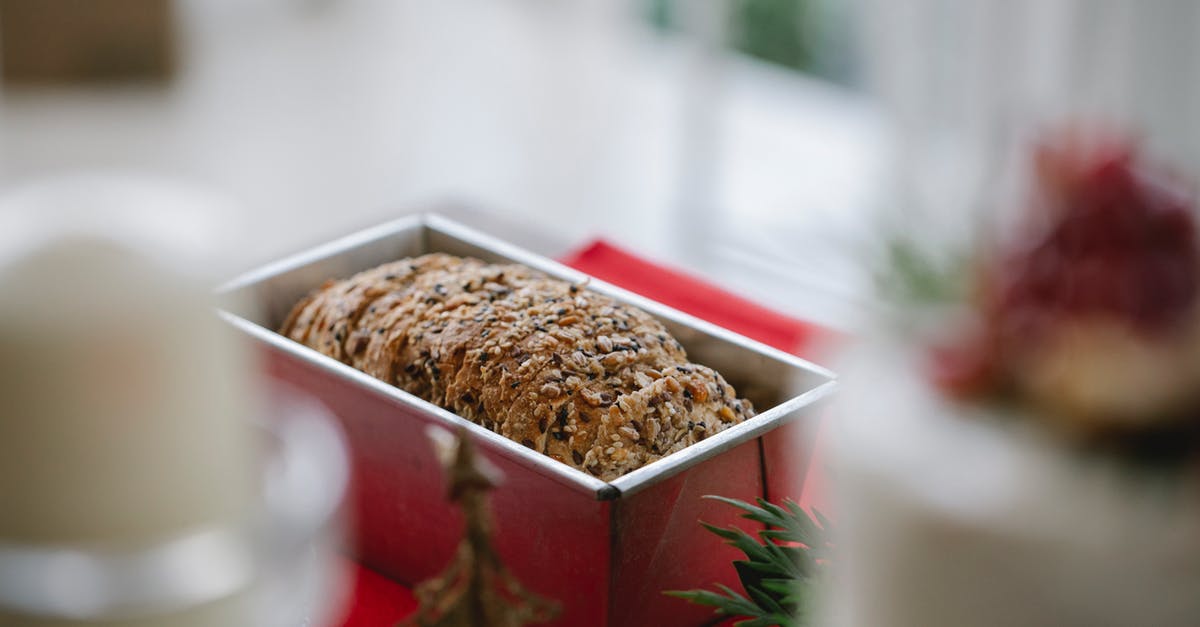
x=688 y=294
x=379 y=602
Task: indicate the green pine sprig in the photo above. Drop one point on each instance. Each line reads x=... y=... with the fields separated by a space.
x=781 y=563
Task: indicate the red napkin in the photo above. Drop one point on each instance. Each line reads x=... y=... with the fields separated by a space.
x=379 y=602
x=691 y=295
x=376 y=601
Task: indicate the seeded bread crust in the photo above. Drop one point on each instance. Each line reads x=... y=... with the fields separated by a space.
x=572 y=374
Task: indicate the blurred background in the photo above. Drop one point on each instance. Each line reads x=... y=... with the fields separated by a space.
x=769 y=146
x=727 y=137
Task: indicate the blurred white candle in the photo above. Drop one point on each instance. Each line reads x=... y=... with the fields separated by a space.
x=124 y=402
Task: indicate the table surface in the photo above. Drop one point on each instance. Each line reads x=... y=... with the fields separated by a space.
x=313 y=118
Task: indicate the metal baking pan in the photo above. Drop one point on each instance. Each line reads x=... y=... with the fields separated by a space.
x=605 y=550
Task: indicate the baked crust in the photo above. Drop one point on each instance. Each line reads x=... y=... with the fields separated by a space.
x=573 y=374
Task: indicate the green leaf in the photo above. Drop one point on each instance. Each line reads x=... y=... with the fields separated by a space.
x=789 y=592
x=765 y=601
x=744 y=542
x=780 y=562
x=745 y=607
x=704 y=597
x=728 y=534
x=764 y=621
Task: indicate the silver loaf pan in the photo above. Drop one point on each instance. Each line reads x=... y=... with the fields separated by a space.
x=779 y=384
x=604 y=550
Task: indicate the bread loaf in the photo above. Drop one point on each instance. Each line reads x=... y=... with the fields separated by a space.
x=570 y=373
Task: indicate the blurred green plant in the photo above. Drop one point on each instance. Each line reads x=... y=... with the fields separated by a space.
x=775 y=31
x=782 y=564
x=910 y=274
x=778 y=31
